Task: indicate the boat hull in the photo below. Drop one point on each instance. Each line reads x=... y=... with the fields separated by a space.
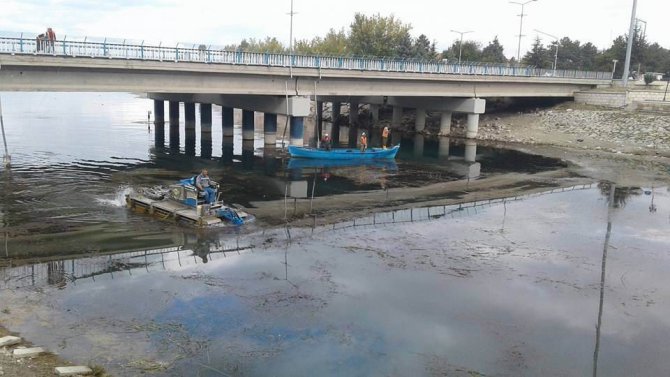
x=343 y=153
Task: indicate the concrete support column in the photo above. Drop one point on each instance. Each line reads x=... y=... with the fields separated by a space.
x=473 y=126
x=335 y=131
x=319 y=123
x=247 y=125
x=227 y=121
x=297 y=130
x=270 y=129
x=159 y=135
x=173 y=108
x=418 y=145
x=374 y=111
x=159 y=111
x=353 y=114
x=443 y=149
x=397 y=117
x=206 y=130
x=420 y=121
x=248 y=153
x=227 y=150
x=205 y=117
x=189 y=115
x=470 y=150
x=445 y=124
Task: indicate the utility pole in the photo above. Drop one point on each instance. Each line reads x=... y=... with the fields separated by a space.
x=518 y=50
x=290 y=43
x=629 y=48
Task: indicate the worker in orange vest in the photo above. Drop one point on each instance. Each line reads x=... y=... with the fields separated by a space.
x=385 y=137
x=364 y=142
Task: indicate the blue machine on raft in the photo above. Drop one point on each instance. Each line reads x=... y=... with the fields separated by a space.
x=182 y=201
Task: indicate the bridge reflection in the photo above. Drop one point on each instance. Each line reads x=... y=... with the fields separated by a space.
x=200 y=248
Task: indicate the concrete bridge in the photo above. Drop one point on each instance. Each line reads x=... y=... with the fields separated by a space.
x=276 y=83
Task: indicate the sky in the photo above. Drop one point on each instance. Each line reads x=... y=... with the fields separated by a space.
x=224 y=22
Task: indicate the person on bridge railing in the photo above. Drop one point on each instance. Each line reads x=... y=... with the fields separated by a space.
x=51 y=36
x=40 y=42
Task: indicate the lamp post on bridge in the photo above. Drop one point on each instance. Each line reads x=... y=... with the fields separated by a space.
x=556 y=55
x=518 y=51
x=460 y=44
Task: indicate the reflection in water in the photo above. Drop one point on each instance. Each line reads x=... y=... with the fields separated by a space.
x=610 y=207
x=621 y=194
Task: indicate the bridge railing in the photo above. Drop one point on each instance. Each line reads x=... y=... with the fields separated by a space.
x=204 y=54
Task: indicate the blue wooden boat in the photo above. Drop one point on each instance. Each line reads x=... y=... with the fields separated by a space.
x=313 y=163
x=343 y=153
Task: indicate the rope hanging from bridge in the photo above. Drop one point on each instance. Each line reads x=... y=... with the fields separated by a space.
x=6 y=159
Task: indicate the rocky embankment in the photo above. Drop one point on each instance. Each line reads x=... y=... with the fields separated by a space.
x=617 y=131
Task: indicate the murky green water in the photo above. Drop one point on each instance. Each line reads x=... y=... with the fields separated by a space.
x=565 y=282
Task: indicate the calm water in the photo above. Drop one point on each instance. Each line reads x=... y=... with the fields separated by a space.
x=566 y=283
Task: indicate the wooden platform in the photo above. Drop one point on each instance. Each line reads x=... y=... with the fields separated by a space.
x=166 y=209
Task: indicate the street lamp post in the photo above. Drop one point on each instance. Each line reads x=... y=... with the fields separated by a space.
x=518 y=51
x=556 y=55
x=460 y=44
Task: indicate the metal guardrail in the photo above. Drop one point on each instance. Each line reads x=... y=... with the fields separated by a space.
x=207 y=54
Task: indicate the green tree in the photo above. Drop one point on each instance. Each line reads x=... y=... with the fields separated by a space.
x=538 y=56
x=493 y=52
x=470 y=52
x=376 y=35
x=423 y=49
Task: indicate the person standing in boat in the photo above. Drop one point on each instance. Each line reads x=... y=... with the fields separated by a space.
x=385 y=137
x=203 y=183
x=364 y=142
x=325 y=142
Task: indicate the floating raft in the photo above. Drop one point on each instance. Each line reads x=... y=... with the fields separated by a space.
x=167 y=209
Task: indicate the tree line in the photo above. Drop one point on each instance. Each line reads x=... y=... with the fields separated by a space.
x=389 y=37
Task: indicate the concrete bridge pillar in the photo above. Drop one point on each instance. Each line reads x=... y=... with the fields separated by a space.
x=227 y=121
x=319 y=120
x=374 y=111
x=397 y=117
x=206 y=130
x=205 y=117
x=159 y=111
x=189 y=115
x=443 y=150
x=189 y=132
x=159 y=135
x=445 y=123
x=470 y=150
x=473 y=126
x=248 y=153
x=418 y=145
x=173 y=108
x=270 y=129
x=297 y=130
x=227 y=150
x=335 y=129
x=247 y=125
x=420 y=121
x=353 y=114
